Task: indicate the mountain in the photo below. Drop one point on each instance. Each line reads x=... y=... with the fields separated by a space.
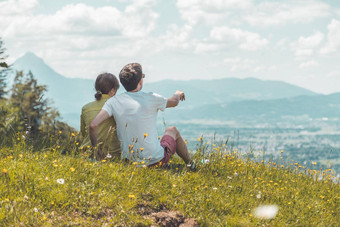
x=308 y=107
x=202 y=92
x=68 y=95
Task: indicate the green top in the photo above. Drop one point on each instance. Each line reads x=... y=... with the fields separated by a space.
x=107 y=134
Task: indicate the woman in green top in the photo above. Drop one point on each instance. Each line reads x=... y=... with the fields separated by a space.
x=106 y=86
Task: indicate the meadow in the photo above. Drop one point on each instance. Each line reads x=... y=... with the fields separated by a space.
x=59 y=185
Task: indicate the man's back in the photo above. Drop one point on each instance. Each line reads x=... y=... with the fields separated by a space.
x=136 y=115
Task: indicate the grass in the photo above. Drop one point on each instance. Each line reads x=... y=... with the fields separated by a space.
x=48 y=188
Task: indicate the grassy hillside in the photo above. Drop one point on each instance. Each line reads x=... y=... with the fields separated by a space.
x=47 y=188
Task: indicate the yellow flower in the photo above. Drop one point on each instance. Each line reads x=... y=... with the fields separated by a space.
x=313 y=163
x=59 y=132
x=73 y=134
x=4 y=171
x=141 y=149
x=104 y=160
x=132 y=151
x=72 y=169
x=281 y=151
x=132 y=196
x=145 y=135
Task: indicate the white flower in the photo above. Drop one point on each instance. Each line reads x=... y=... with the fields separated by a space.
x=236 y=174
x=266 y=212
x=60 y=181
x=35 y=210
x=229 y=177
x=214 y=188
x=259 y=196
x=230 y=186
x=108 y=155
x=206 y=161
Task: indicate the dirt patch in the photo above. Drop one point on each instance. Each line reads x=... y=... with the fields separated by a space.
x=166 y=218
x=172 y=219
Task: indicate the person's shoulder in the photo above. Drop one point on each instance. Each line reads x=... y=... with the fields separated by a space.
x=152 y=94
x=88 y=105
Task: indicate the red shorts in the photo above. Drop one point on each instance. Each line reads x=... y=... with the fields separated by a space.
x=169 y=145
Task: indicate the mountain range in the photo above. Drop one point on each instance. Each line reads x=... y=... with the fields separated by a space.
x=220 y=99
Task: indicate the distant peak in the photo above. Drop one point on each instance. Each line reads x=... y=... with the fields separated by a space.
x=30 y=57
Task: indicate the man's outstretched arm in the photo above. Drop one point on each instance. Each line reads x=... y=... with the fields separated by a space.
x=174 y=100
x=101 y=116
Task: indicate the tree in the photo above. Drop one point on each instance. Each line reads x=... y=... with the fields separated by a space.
x=4 y=68
x=27 y=97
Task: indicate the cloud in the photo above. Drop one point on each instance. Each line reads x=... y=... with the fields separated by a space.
x=309 y=64
x=79 y=31
x=17 y=7
x=333 y=38
x=209 y=11
x=307 y=46
x=239 y=64
x=280 y=13
x=137 y=20
x=244 y=39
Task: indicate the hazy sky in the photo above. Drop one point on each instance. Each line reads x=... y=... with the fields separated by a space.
x=297 y=41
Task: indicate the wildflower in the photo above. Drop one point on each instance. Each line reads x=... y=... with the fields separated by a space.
x=72 y=169
x=60 y=181
x=132 y=151
x=266 y=212
x=141 y=149
x=281 y=151
x=259 y=196
x=214 y=188
x=104 y=160
x=73 y=134
x=108 y=155
x=146 y=135
x=4 y=171
x=35 y=210
x=313 y=163
x=59 y=132
x=132 y=196
x=229 y=177
x=26 y=197
x=236 y=174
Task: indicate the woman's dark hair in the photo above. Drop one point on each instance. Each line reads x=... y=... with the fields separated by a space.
x=130 y=76
x=104 y=84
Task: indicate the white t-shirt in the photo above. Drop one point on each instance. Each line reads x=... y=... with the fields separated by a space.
x=136 y=115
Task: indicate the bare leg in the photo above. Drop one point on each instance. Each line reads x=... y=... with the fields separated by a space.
x=181 y=147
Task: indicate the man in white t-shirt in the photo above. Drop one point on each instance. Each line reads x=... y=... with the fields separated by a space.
x=135 y=113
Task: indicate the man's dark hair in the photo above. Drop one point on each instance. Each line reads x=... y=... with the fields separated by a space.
x=104 y=84
x=130 y=76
